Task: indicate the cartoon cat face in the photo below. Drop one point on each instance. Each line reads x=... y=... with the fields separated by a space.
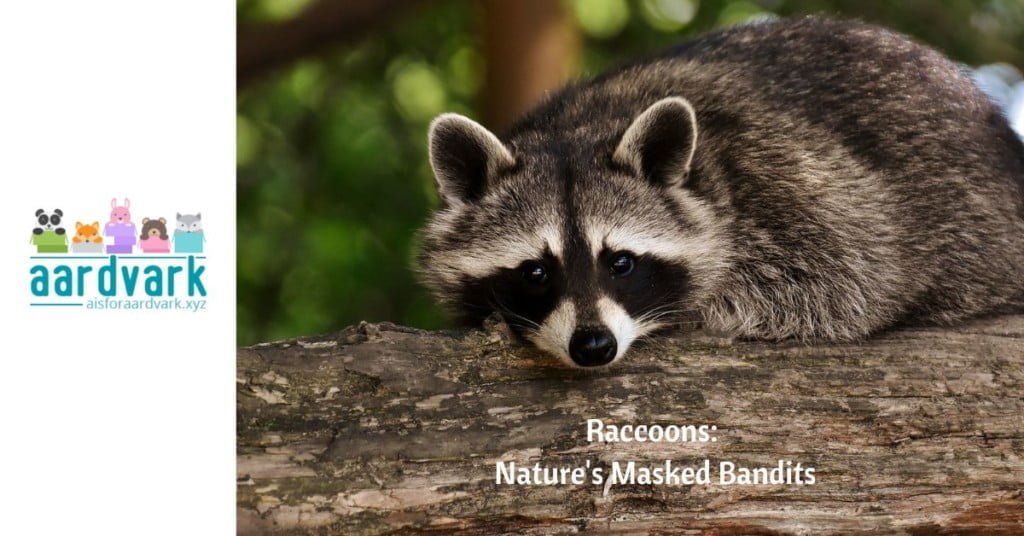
x=190 y=223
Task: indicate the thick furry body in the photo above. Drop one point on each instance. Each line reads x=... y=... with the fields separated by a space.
x=844 y=179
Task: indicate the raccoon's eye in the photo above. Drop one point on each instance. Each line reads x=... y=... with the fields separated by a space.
x=534 y=273
x=622 y=264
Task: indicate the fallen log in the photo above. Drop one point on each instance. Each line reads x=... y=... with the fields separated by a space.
x=384 y=429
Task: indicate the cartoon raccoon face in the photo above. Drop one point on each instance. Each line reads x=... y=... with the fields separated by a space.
x=189 y=223
x=582 y=248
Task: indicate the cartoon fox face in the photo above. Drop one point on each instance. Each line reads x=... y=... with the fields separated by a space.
x=87 y=233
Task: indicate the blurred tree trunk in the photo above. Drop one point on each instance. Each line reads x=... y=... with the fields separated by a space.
x=531 y=47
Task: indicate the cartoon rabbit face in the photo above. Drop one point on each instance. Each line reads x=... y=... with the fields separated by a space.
x=120 y=214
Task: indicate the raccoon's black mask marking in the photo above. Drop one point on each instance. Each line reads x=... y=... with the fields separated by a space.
x=655 y=287
x=523 y=305
x=556 y=206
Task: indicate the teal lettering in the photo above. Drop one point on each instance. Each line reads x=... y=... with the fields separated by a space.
x=131 y=277
x=171 y=272
x=195 y=283
x=41 y=282
x=82 y=270
x=154 y=281
x=108 y=278
x=62 y=280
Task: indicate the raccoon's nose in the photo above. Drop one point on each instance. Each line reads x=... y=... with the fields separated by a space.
x=590 y=347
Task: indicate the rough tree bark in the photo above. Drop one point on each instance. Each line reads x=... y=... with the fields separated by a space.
x=380 y=429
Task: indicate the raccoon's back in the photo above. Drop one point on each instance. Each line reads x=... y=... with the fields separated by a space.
x=890 y=100
x=842 y=151
x=894 y=104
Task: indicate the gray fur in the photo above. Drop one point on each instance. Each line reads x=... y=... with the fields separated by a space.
x=189 y=223
x=845 y=179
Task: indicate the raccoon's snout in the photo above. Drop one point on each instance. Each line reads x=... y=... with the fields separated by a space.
x=592 y=347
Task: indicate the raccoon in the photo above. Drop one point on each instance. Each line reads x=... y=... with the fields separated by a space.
x=804 y=179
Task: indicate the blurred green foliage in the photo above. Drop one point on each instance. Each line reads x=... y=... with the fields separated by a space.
x=333 y=180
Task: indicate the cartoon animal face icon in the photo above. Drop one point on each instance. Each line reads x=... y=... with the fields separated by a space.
x=190 y=223
x=87 y=233
x=48 y=221
x=120 y=213
x=154 y=229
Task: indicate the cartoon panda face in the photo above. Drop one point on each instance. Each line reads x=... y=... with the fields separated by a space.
x=49 y=221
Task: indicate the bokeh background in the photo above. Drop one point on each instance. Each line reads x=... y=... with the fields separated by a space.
x=334 y=97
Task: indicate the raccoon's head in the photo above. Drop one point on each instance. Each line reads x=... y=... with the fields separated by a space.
x=582 y=243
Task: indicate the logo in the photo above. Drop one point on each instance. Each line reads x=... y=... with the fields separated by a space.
x=118 y=265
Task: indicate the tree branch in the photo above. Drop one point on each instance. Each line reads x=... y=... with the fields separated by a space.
x=382 y=429
x=262 y=48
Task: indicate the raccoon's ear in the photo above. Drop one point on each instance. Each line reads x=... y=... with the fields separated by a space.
x=660 y=143
x=464 y=156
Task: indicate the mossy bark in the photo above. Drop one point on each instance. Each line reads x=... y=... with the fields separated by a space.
x=381 y=429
